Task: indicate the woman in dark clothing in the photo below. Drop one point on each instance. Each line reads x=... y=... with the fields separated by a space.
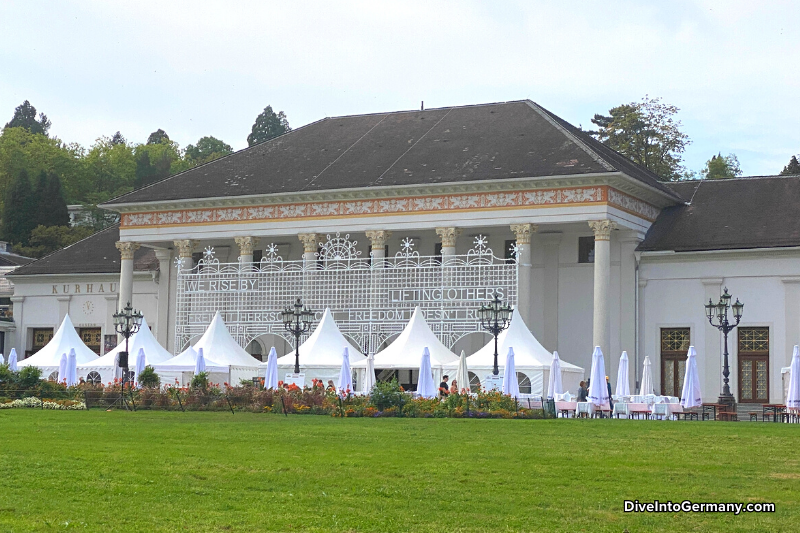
x=583 y=392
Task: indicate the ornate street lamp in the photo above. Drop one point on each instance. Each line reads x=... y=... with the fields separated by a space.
x=495 y=317
x=720 y=312
x=297 y=320
x=127 y=321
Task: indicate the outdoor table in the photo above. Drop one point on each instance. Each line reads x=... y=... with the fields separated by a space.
x=584 y=408
x=565 y=407
x=712 y=408
x=774 y=409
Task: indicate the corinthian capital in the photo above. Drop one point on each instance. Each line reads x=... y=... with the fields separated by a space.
x=523 y=232
x=448 y=236
x=309 y=241
x=185 y=247
x=378 y=238
x=246 y=244
x=602 y=229
x=127 y=249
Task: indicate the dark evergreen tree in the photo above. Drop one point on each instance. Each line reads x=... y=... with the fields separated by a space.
x=20 y=204
x=792 y=168
x=39 y=194
x=144 y=170
x=117 y=138
x=157 y=137
x=54 y=204
x=25 y=117
x=268 y=125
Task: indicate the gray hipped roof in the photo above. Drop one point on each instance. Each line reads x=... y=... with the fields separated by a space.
x=740 y=213
x=445 y=145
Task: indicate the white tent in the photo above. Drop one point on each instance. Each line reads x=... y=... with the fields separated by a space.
x=143 y=339
x=219 y=346
x=321 y=354
x=181 y=368
x=65 y=338
x=530 y=358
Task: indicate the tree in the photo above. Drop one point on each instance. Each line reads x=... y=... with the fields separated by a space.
x=19 y=206
x=268 y=125
x=48 y=239
x=792 y=168
x=647 y=133
x=25 y=117
x=157 y=137
x=207 y=149
x=117 y=138
x=719 y=167
x=52 y=207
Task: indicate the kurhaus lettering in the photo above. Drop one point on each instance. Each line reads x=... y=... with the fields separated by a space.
x=84 y=288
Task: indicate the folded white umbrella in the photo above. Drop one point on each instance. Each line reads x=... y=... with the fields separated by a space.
x=62 y=368
x=140 y=364
x=793 y=397
x=425 y=386
x=510 y=381
x=2 y=359
x=199 y=363
x=72 y=368
x=690 y=396
x=462 y=374
x=598 y=389
x=623 y=387
x=554 y=385
x=647 y=378
x=369 y=375
x=345 y=374
x=271 y=375
x=12 y=360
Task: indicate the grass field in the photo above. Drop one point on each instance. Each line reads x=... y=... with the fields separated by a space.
x=206 y=471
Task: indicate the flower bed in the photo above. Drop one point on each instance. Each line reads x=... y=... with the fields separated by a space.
x=35 y=403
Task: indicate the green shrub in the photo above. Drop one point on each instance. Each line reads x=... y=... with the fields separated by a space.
x=200 y=381
x=28 y=377
x=388 y=394
x=148 y=378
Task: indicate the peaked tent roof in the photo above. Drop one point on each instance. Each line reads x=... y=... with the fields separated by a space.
x=219 y=346
x=184 y=362
x=65 y=338
x=528 y=352
x=495 y=141
x=406 y=350
x=153 y=352
x=323 y=347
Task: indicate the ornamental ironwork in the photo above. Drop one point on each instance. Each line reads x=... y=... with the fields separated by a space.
x=371 y=299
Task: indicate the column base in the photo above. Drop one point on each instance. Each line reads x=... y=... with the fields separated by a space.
x=727 y=400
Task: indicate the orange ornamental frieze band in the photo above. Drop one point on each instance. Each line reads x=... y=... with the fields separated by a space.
x=398 y=206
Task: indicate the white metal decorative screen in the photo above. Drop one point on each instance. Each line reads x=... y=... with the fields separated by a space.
x=371 y=300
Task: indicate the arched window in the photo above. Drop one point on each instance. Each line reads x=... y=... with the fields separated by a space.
x=474 y=382
x=524 y=383
x=53 y=376
x=255 y=349
x=93 y=378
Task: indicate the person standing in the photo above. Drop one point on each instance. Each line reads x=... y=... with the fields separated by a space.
x=583 y=392
x=443 y=387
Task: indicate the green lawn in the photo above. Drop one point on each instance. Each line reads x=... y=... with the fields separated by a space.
x=205 y=471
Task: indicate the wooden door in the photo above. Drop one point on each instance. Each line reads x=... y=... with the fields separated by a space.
x=92 y=338
x=753 y=355
x=41 y=336
x=674 y=347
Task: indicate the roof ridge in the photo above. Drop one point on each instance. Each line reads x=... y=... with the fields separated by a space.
x=54 y=252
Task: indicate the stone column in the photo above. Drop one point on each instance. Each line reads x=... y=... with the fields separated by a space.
x=126 y=250
x=310 y=244
x=20 y=340
x=377 y=239
x=164 y=257
x=636 y=362
x=602 y=280
x=524 y=297
x=185 y=248
x=627 y=300
x=551 y=247
x=448 y=238
x=246 y=245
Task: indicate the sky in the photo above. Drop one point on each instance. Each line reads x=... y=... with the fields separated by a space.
x=209 y=68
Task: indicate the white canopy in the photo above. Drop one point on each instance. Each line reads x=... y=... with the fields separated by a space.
x=324 y=347
x=219 y=346
x=405 y=351
x=154 y=353
x=65 y=338
x=185 y=361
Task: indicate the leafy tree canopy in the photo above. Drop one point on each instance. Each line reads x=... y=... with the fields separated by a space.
x=48 y=239
x=158 y=137
x=20 y=204
x=268 y=125
x=719 y=167
x=647 y=133
x=792 y=168
x=25 y=117
x=207 y=149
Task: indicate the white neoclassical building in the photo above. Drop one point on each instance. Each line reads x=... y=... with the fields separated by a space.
x=374 y=215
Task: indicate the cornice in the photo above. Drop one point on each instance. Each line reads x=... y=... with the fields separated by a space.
x=718 y=255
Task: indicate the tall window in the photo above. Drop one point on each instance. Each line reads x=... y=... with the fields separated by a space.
x=41 y=336
x=674 y=347
x=586 y=249
x=753 y=355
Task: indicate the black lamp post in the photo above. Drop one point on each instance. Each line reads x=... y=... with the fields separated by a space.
x=297 y=320
x=721 y=311
x=495 y=317
x=127 y=321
